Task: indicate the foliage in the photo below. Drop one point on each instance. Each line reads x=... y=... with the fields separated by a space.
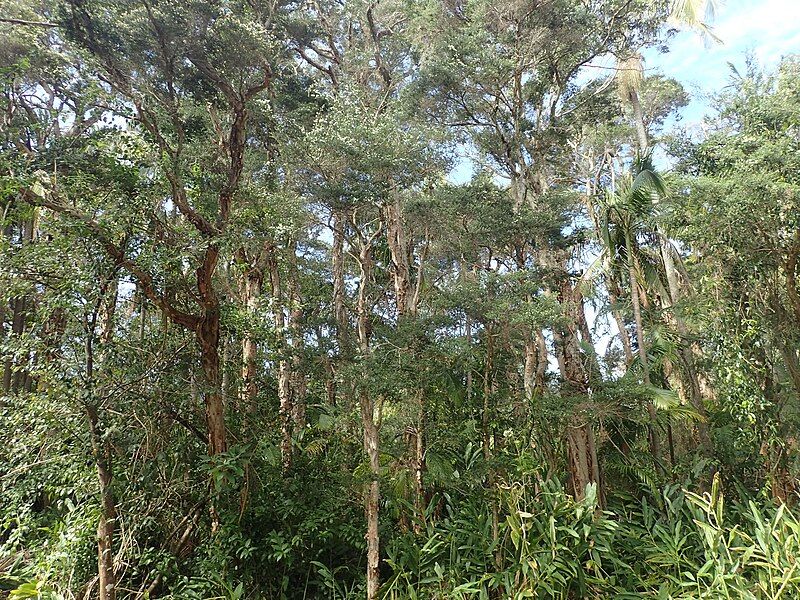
x=377 y=299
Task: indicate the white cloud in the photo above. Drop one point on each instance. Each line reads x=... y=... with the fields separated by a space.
x=769 y=29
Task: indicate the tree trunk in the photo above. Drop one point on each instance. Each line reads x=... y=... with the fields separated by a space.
x=531 y=363
x=101 y=449
x=689 y=371
x=582 y=454
x=407 y=299
x=468 y=375
x=248 y=394
x=541 y=367
x=208 y=339
x=582 y=458
x=100 y=444
x=298 y=378
x=339 y=294
x=401 y=269
x=638 y=117
x=654 y=438
x=488 y=411
x=586 y=338
x=419 y=465
x=371 y=447
x=613 y=296
x=284 y=362
x=369 y=420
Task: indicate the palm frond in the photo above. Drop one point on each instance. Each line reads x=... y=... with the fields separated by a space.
x=695 y=14
x=668 y=401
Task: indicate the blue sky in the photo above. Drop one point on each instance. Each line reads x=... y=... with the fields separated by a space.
x=769 y=29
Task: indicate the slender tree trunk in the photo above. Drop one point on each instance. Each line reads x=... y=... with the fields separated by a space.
x=531 y=363
x=791 y=275
x=488 y=411
x=586 y=338
x=371 y=447
x=339 y=294
x=284 y=364
x=419 y=465
x=638 y=117
x=369 y=421
x=655 y=442
x=790 y=359
x=17 y=376
x=541 y=367
x=613 y=296
x=248 y=395
x=101 y=449
x=468 y=375
x=407 y=297
x=101 y=445
x=689 y=371
x=298 y=378
x=398 y=247
x=16 y=330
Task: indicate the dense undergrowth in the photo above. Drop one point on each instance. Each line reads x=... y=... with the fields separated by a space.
x=303 y=540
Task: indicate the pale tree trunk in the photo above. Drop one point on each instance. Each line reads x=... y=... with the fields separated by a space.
x=251 y=292
x=790 y=359
x=419 y=464
x=284 y=364
x=655 y=443
x=339 y=294
x=370 y=421
x=586 y=338
x=689 y=371
x=488 y=398
x=531 y=362
x=654 y=438
x=225 y=384
x=468 y=375
x=398 y=247
x=638 y=117
x=339 y=219
x=298 y=378
x=251 y=289
x=541 y=368
x=371 y=447
x=613 y=296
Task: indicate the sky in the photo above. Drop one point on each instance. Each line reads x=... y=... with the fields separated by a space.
x=769 y=29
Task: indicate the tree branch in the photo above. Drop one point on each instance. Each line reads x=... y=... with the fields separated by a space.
x=117 y=254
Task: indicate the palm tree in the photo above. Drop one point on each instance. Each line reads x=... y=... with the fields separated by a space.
x=692 y=14
x=627 y=212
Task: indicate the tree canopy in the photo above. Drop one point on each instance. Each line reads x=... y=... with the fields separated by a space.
x=392 y=299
